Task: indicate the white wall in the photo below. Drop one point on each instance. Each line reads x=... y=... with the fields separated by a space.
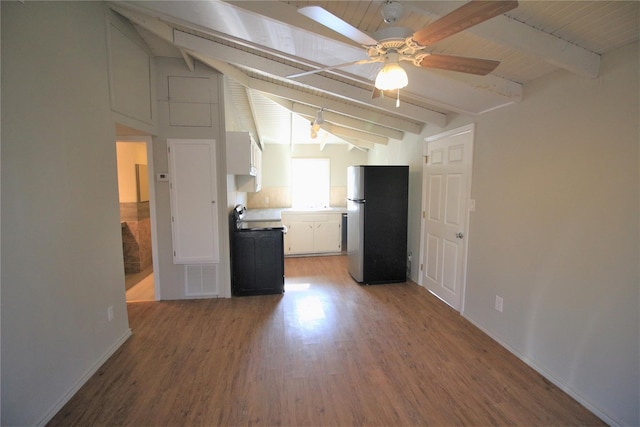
x=210 y=112
x=129 y=154
x=62 y=261
x=556 y=232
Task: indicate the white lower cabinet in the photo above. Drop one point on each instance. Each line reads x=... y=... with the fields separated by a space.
x=327 y=236
x=312 y=233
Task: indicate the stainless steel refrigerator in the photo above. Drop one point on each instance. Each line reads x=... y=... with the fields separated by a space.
x=377 y=199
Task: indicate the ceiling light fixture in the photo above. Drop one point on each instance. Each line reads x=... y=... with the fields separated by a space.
x=314 y=130
x=392 y=76
x=315 y=125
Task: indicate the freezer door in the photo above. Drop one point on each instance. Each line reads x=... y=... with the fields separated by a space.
x=355 y=183
x=355 y=239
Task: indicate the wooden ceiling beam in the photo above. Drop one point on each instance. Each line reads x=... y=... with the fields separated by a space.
x=346 y=91
x=292 y=95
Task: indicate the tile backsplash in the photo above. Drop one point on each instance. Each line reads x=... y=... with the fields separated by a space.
x=280 y=197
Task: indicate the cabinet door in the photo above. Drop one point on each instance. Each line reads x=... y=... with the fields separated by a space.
x=270 y=262
x=193 y=197
x=240 y=154
x=327 y=237
x=300 y=237
x=248 y=183
x=258 y=165
x=258 y=264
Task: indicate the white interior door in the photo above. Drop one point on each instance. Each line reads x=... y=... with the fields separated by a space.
x=445 y=200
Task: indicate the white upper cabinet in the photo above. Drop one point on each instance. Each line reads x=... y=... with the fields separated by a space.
x=241 y=154
x=244 y=159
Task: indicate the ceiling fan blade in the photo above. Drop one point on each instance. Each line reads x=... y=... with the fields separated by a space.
x=461 y=64
x=472 y=13
x=319 y=70
x=336 y=24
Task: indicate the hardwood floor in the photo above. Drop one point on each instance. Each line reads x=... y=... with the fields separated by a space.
x=327 y=352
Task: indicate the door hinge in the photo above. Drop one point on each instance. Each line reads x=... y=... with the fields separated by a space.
x=420 y=266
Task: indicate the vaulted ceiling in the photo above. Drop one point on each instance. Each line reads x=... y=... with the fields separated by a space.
x=257 y=44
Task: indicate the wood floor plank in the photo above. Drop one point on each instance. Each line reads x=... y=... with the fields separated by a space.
x=329 y=352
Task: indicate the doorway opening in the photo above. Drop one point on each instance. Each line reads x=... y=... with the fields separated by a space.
x=136 y=217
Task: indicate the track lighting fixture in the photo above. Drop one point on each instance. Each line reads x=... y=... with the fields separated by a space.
x=315 y=125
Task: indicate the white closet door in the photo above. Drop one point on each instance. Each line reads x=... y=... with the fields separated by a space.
x=194 y=219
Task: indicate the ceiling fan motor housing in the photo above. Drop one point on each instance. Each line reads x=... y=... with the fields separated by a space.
x=396 y=39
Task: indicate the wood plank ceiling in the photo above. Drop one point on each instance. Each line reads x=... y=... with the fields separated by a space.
x=256 y=44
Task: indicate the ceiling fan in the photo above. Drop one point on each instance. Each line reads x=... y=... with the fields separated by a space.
x=392 y=45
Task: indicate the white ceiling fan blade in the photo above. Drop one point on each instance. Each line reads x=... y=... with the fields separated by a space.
x=336 y=24
x=362 y=61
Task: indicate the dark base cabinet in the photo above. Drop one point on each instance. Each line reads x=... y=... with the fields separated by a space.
x=257 y=262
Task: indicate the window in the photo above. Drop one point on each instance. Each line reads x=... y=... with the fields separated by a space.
x=310 y=183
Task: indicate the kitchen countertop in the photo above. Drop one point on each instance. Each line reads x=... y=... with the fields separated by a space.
x=261 y=225
x=319 y=210
x=275 y=214
x=262 y=215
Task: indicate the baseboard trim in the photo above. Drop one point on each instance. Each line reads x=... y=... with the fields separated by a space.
x=92 y=370
x=571 y=392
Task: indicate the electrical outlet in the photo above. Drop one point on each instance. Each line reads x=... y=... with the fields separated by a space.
x=499 y=303
x=110 y=313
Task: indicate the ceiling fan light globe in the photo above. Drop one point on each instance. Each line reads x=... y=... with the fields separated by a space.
x=391 y=77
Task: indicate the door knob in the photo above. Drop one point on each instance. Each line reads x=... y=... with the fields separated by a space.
x=459 y=235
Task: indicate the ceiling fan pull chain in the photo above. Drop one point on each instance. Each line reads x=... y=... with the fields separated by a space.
x=398 y=99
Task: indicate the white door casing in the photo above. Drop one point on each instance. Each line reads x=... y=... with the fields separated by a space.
x=445 y=215
x=152 y=208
